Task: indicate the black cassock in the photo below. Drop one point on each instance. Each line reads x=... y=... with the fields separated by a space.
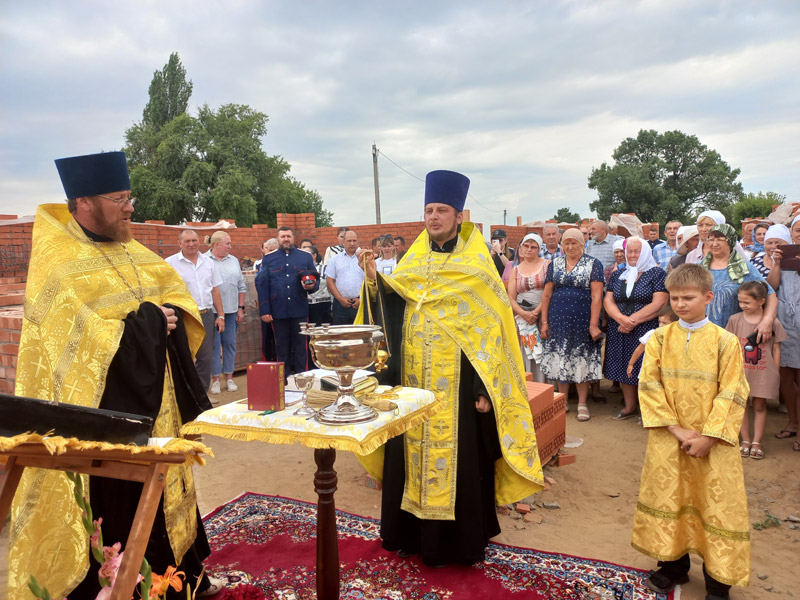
x=439 y=542
x=134 y=384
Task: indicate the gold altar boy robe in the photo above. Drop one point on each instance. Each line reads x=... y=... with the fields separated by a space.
x=75 y=304
x=694 y=379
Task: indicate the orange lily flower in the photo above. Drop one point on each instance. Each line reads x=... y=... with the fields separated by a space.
x=161 y=583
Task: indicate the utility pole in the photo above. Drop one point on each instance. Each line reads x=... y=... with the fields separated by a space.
x=504 y=216
x=377 y=189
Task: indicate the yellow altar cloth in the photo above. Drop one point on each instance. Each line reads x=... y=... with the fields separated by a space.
x=234 y=421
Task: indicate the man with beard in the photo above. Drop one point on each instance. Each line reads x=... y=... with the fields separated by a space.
x=107 y=324
x=283 y=283
x=449 y=332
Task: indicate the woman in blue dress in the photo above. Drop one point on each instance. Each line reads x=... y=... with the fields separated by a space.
x=633 y=298
x=570 y=319
x=730 y=269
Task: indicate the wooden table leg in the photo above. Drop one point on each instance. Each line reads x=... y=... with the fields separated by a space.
x=327 y=543
x=12 y=473
x=140 y=532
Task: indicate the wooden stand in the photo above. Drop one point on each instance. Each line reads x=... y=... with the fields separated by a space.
x=149 y=468
x=327 y=542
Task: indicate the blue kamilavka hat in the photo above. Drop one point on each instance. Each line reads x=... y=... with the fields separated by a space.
x=446 y=187
x=94 y=174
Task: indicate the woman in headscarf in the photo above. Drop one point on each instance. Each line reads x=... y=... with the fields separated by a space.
x=788 y=286
x=525 y=289
x=687 y=240
x=730 y=270
x=775 y=236
x=756 y=241
x=619 y=259
x=705 y=221
x=570 y=320
x=633 y=298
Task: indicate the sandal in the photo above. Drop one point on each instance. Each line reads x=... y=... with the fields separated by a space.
x=756 y=453
x=796 y=446
x=785 y=434
x=744 y=448
x=583 y=413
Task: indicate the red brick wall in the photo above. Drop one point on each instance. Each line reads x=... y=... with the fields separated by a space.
x=10 y=327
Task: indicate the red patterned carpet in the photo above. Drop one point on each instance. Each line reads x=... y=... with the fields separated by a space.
x=270 y=542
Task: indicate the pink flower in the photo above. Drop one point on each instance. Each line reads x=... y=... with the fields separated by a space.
x=111 y=566
x=95 y=539
x=104 y=594
x=111 y=551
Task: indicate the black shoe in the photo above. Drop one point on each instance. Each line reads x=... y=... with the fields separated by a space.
x=405 y=553
x=664 y=584
x=434 y=566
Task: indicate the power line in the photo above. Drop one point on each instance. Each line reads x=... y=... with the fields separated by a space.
x=382 y=153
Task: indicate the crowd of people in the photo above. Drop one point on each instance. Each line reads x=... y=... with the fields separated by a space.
x=583 y=300
x=583 y=306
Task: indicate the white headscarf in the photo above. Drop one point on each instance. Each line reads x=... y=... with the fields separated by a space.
x=619 y=245
x=714 y=215
x=535 y=237
x=645 y=263
x=780 y=232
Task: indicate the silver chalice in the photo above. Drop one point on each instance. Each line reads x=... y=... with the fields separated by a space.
x=344 y=349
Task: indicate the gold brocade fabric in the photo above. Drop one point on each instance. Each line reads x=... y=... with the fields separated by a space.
x=695 y=380
x=456 y=303
x=75 y=301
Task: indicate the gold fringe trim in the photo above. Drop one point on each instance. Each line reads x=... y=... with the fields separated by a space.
x=59 y=445
x=369 y=444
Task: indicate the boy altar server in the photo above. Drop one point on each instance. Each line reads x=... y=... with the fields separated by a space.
x=692 y=391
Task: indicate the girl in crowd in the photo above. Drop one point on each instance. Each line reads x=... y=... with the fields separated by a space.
x=633 y=298
x=319 y=303
x=570 y=319
x=760 y=362
x=387 y=261
x=525 y=289
x=789 y=315
x=730 y=270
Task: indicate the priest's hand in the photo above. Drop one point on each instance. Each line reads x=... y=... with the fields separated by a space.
x=266 y=318
x=483 y=405
x=172 y=318
x=366 y=260
x=699 y=447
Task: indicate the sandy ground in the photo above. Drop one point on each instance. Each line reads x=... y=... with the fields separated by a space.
x=597 y=495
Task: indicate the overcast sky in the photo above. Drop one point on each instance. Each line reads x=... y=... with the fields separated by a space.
x=524 y=98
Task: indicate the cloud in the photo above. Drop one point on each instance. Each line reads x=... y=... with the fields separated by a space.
x=525 y=98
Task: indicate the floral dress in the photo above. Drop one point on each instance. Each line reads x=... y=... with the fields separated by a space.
x=570 y=354
x=620 y=346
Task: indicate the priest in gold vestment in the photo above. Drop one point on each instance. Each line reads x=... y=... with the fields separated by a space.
x=450 y=329
x=692 y=392
x=107 y=324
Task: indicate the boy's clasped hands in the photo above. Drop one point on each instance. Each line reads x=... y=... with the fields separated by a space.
x=695 y=444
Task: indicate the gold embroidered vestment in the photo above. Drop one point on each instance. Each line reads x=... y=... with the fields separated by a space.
x=75 y=301
x=456 y=303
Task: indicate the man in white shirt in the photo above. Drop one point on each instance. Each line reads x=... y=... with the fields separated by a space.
x=203 y=282
x=344 y=277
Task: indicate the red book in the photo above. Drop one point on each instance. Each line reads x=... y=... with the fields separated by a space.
x=265 y=386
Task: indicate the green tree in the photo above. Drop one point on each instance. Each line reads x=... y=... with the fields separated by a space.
x=752 y=206
x=565 y=215
x=208 y=167
x=169 y=94
x=666 y=176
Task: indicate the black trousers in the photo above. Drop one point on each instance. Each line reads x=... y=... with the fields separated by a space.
x=342 y=315
x=319 y=313
x=291 y=347
x=268 y=342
